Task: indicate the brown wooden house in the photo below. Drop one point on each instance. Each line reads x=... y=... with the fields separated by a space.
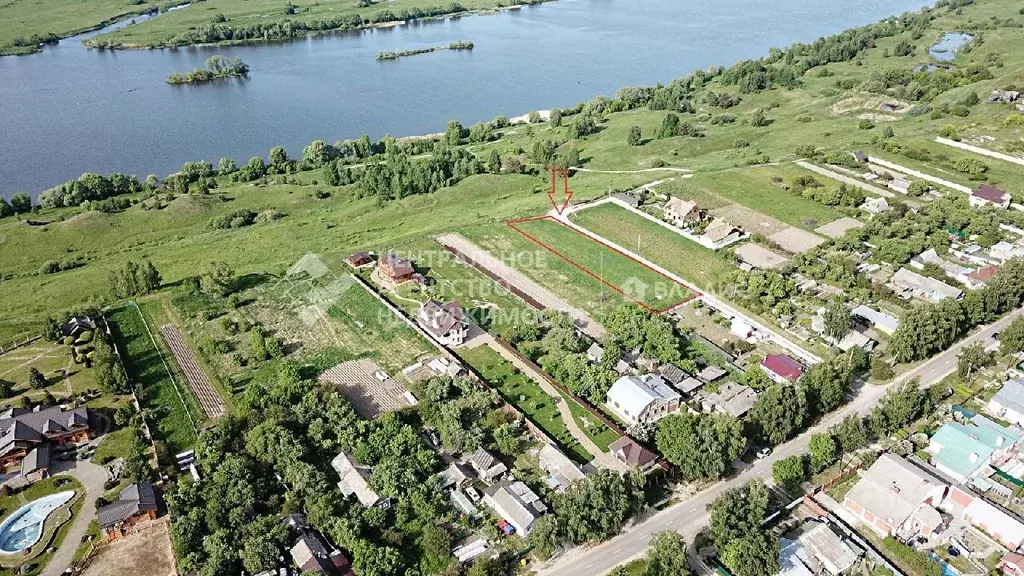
x=136 y=504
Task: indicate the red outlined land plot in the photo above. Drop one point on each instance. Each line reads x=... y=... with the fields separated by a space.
x=611 y=267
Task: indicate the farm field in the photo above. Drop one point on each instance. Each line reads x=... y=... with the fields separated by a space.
x=754 y=189
x=688 y=259
x=159 y=391
x=524 y=394
x=618 y=272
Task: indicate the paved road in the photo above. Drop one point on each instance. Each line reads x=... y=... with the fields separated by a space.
x=979 y=150
x=689 y=517
x=92 y=478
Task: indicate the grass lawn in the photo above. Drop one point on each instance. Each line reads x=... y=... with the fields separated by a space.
x=600 y=434
x=754 y=188
x=146 y=368
x=839 y=490
x=523 y=393
x=688 y=259
x=621 y=272
x=113 y=445
x=49 y=358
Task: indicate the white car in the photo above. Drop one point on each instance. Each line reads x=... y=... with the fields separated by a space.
x=763 y=453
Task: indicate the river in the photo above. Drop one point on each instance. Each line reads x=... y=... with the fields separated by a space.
x=69 y=109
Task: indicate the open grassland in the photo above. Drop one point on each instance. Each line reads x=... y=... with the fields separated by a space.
x=616 y=272
x=525 y=395
x=159 y=391
x=165 y=30
x=665 y=248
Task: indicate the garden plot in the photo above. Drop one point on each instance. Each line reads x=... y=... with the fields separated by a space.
x=198 y=381
x=370 y=390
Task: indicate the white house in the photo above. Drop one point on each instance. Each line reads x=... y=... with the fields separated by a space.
x=355 y=480
x=896 y=497
x=646 y=398
x=1008 y=403
x=445 y=322
x=909 y=284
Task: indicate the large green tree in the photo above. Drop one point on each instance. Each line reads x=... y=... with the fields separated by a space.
x=779 y=412
x=738 y=512
x=700 y=445
x=599 y=505
x=756 y=553
x=667 y=555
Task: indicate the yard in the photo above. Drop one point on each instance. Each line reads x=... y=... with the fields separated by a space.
x=580 y=259
x=49 y=358
x=519 y=390
x=147 y=368
x=147 y=553
x=688 y=259
x=54 y=529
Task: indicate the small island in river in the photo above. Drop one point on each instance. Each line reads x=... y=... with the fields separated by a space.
x=460 y=45
x=217 y=66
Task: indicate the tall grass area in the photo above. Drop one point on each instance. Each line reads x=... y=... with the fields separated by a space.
x=159 y=392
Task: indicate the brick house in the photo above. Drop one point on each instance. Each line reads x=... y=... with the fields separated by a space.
x=445 y=322
x=896 y=497
x=681 y=212
x=31 y=435
x=136 y=504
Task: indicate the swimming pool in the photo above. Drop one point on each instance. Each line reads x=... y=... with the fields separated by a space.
x=23 y=528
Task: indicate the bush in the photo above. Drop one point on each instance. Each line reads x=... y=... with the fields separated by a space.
x=50 y=267
x=236 y=219
x=865 y=125
x=916 y=562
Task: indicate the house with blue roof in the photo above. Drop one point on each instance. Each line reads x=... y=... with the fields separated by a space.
x=962 y=450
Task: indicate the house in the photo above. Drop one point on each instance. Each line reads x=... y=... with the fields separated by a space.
x=24 y=431
x=395 y=270
x=980 y=277
x=822 y=550
x=1008 y=403
x=77 y=325
x=137 y=503
x=311 y=556
x=629 y=452
x=878 y=320
x=647 y=398
x=930 y=256
x=720 y=233
x=896 y=497
x=854 y=339
x=741 y=329
x=359 y=260
x=455 y=476
x=487 y=467
x=445 y=322
x=1011 y=564
x=471 y=548
x=875 y=205
x=782 y=368
x=1003 y=251
x=1002 y=527
x=595 y=353
x=910 y=284
x=711 y=373
x=561 y=471
x=987 y=195
x=679 y=379
x=899 y=184
x=628 y=199
x=859 y=156
x=732 y=398
x=355 y=480
x=962 y=450
x=515 y=503
x=681 y=212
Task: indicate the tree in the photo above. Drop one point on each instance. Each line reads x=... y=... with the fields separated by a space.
x=1011 y=340
x=850 y=433
x=824 y=451
x=669 y=126
x=555 y=118
x=137 y=458
x=700 y=445
x=217 y=279
x=598 y=506
x=21 y=203
x=738 y=512
x=635 y=137
x=6 y=388
x=5 y=208
x=789 y=472
x=278 y=158
x=667 y=555
x=262 y=545
x=453 y=133
x=755 y=553
x=971 y=359
x=493 y=161
x=837 y=320
x=543 y=537
x=226 y=166
x=918 y=188
x=880 y=369
x=506 y=439
x=900 y=405
x=779 y=412
x=36 y=378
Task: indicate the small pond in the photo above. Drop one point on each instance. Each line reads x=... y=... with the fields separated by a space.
x=23 y=529
x=945 y=49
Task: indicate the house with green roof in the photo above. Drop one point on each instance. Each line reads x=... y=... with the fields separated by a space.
x=963 y=450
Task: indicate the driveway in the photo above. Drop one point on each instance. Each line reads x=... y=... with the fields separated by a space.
x=92 y=478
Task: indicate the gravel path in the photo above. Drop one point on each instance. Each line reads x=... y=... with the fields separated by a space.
x=869 y=188
x=979 y=150
x=921 y=175
x=515 y=278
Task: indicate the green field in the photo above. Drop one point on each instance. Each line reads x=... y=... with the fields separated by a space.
x=526 y=395
x=621 y=272
x=665 y=248
x=146 y=368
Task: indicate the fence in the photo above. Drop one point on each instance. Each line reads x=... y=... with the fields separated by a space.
x=497 y=279
x=16 y=345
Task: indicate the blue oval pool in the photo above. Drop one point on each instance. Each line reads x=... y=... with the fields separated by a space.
x=23 y=528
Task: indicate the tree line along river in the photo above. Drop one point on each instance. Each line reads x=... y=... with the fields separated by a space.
x=69 y=109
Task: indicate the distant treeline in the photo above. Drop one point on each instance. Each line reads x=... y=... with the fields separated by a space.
x=217 y=66
x=460 y=45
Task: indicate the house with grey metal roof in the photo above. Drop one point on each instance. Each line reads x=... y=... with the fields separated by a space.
x=137 y=503
x=23 y=430
x=646 y=398
x=486 y=465
x=355 y=480
x=887 y=323
x=1008 y=403
x=909 y=284
x=896 y=497
x=515 y=503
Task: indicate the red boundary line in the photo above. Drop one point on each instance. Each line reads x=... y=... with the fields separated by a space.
x=512 y=224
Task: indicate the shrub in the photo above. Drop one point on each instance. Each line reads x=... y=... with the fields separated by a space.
x=865 y=125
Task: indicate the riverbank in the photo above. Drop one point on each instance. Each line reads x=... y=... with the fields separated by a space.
x=460 y=45
x=237 y=22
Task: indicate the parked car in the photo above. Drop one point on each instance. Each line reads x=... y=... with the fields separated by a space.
x=507 y=528
x=763 y=453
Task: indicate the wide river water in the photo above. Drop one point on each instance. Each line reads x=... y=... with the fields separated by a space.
x=69 y=109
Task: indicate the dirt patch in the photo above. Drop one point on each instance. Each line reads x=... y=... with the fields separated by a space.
x=358 y=381
x=760 y=257
x=751 y=221
x=145 y=553
x=863 y=101
x=878 y=117
x=795 y=240
x=837 y=228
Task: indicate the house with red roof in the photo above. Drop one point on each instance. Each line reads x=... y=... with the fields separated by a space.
x=782 y=368
x=987 y=195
